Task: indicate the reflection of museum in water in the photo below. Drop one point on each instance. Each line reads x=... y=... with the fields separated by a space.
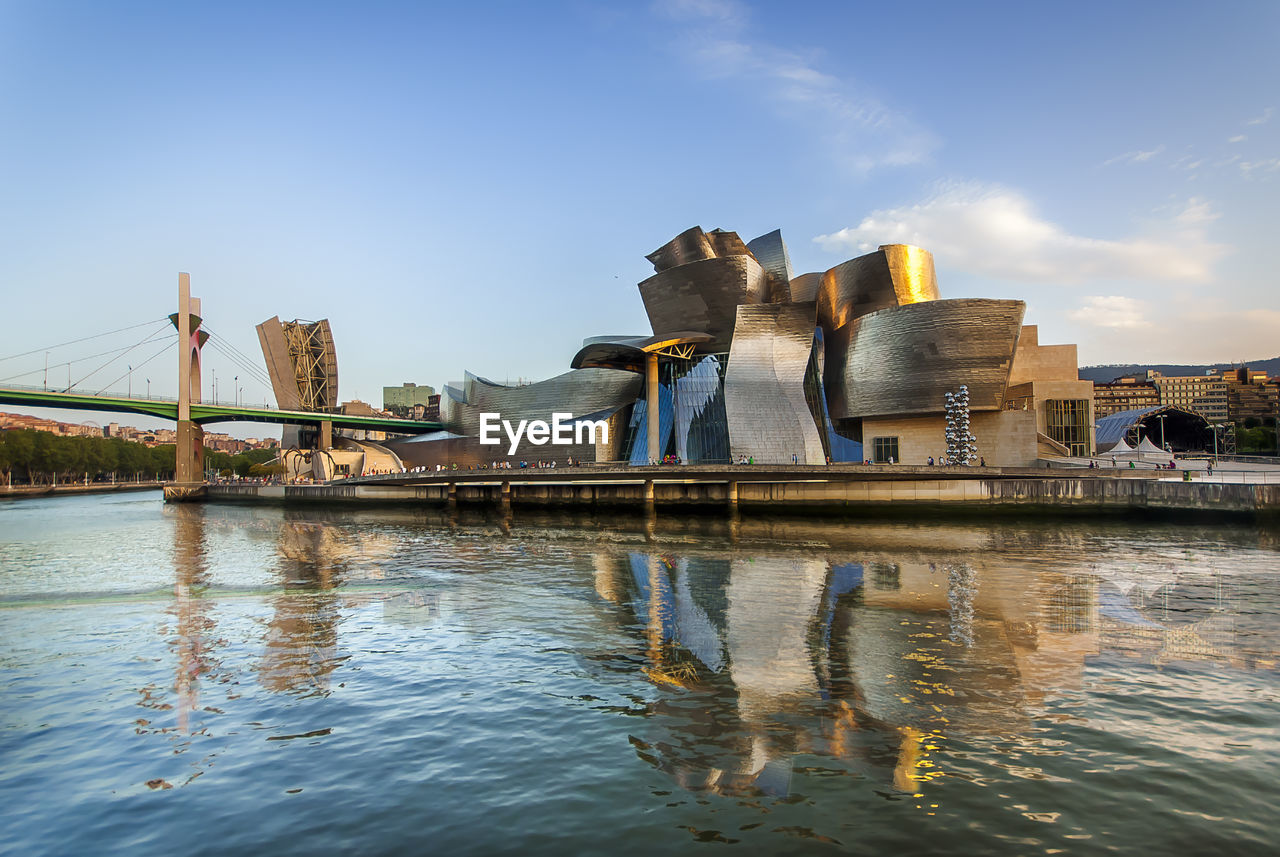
x=862 y=659
x=869 y=664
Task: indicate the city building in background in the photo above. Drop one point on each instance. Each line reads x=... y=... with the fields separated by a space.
x=1252 y=398
x=411 y=401
x=1204 y=394
x=1129 y=393
x=149 y=437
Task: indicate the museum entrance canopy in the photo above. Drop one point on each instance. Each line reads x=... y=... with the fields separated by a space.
x=630 y=352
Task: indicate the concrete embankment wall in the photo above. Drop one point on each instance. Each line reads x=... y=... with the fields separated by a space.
x=18 y=491
x=1060 y=495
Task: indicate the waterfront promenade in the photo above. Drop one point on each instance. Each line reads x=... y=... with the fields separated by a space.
x=834 y=489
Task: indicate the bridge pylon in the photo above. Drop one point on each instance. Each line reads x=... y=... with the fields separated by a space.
x=188 y=483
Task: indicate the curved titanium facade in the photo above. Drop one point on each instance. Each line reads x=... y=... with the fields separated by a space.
x=804 y=288
x=771 y=252
x=903 y=360
x=769 y=419
x=911 y=269
x=726 y=243
x=704 y=296
x=692 y=245
x=894 y=275
x=579 y=392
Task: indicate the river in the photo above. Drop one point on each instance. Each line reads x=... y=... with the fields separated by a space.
x=205 y=679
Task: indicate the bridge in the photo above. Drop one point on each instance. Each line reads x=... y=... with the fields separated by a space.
x=188 y=411
x=201 y=414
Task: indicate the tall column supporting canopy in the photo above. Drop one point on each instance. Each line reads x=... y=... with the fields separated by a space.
x=651 y=400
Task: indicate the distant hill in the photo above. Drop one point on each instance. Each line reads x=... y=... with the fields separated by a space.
x=1110 y=373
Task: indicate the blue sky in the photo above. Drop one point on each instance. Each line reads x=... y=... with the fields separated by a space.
x=475 y=188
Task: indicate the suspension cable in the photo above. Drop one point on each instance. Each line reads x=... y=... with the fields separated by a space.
x=233 y=354
x=69 y=362
x=150 y=337
x=162 y=350
x=82 y=339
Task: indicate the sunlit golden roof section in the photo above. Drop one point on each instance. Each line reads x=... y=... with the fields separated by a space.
x=911 y=269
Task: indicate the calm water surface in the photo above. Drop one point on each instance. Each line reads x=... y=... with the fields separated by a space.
x=212 y=680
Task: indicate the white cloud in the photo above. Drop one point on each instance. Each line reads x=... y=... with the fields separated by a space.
x=1111 y=311
x=1135 y=157
x=1269 y=165
x=997 y=232
x=1263 y=119
x=863 y=132
x=1239 y=138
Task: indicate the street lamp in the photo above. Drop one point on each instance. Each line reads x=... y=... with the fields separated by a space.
x=1161 y=417
x=235 y=390
x=148 y=388
x=1216 y=428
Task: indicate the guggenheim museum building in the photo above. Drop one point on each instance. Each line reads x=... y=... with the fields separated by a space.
x=746 y=359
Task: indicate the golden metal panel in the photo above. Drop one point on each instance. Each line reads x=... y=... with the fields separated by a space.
x=894 y=275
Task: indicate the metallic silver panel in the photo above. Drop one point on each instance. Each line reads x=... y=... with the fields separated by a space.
x=804 y=288
x=903 y=360
x=704 y=296
x=579 y=392
x=691 y=245
x=894 y=275
x=771 y=252
x=769 y=419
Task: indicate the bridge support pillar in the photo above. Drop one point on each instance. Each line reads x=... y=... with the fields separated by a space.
x=190 y=453
x=188 y=475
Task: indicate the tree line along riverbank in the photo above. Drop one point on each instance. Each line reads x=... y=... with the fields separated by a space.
x=29 y=456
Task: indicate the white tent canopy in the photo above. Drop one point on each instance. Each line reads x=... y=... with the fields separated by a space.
x=1148 y=446
x=1119 y=448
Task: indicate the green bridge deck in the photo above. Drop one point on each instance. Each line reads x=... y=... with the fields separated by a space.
x=202 y=413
